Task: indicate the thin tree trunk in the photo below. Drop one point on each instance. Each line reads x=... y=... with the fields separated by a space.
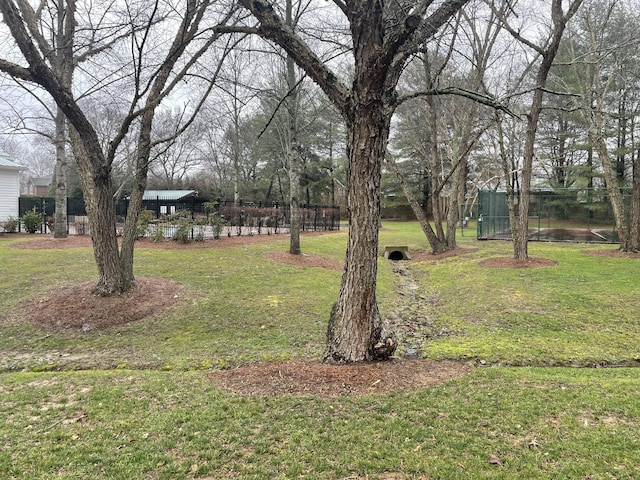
x=60 y=215
x=434 y=156
x=294 y=202
x=64 y=65
x=293 y=154
x=457 y=201
x=559 y=20
x=634 y=221
x=508 y=172
x=417 y=209
x=597 y=130
x=130 y=233
x=613 y=189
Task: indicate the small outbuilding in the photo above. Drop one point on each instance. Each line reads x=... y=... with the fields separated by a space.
x=9 y=187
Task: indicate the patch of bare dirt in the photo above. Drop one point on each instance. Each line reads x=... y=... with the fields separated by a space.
x=75 y=307
x=612 y=253
x=301 y=377
x=426 y=256
x=304 y=260
x=509 y=262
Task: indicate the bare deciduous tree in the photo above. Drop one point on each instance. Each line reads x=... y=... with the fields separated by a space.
x=607 y=70
x=546 y=51
x=383 y=37
x=446 y=129
x=151 y=84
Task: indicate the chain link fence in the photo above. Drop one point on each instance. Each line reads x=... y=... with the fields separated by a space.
x=571 y=215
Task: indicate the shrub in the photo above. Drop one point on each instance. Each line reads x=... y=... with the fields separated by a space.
x=10 y=225
x=31 y=221
x=144 y=219
x=182 y=233
x=216 y=221
x=217 y=224
x=158 y=233
x=183 y=224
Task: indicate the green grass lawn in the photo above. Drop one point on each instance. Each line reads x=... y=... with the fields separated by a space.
x=135 y=402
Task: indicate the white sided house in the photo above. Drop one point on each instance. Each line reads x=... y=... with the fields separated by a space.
x=9 y=187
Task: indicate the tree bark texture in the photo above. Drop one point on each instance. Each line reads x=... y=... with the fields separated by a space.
x=64 y=66
x=295 y=193
x=98 y=194
x=60 y=214
x=356 y=330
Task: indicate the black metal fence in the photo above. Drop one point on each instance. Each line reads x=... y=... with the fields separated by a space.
x=205 y=219
x=578 y=215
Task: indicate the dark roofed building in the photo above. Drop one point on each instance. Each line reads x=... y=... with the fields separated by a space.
x=167 y=202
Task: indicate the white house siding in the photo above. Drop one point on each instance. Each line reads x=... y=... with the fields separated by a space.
x=9 y=191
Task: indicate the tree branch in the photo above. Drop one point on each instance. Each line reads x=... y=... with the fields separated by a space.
x=427 y=28
x=16 y=70
x=31 y=21
x=273 y=28
x=461 y=92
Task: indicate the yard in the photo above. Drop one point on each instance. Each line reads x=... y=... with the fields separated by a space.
x=209 y=370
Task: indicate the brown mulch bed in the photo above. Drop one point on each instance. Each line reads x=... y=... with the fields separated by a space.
x=75 y=307
x=302 y=377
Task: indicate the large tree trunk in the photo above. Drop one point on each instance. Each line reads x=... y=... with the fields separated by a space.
x=356 y=331
x=380 y=49
x=98 y=194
